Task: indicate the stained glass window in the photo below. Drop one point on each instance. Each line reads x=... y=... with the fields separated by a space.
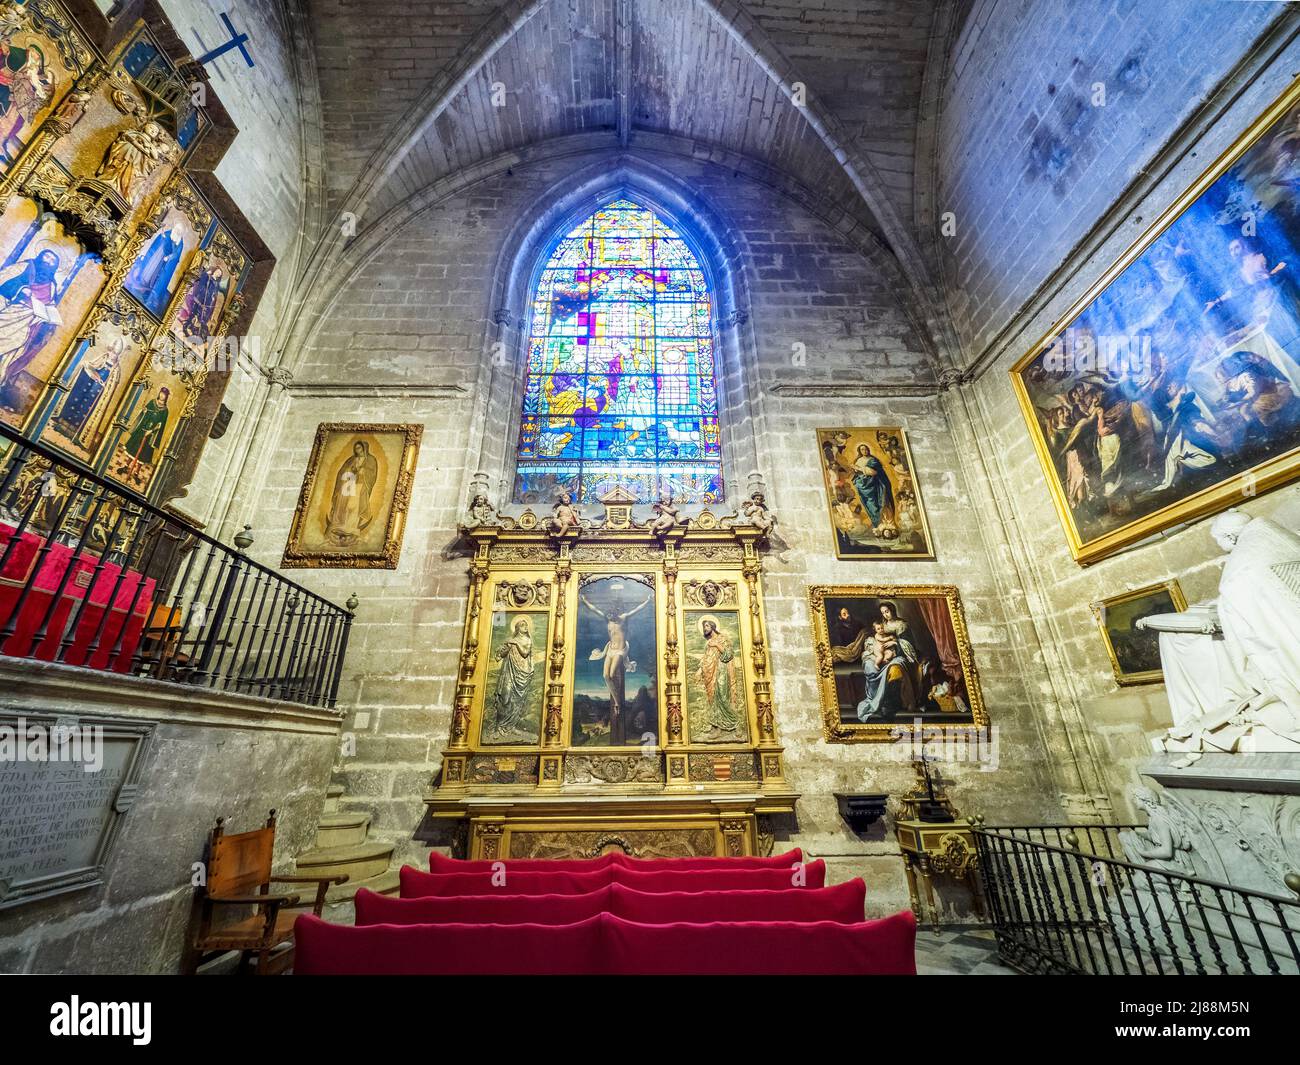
x=620 y=384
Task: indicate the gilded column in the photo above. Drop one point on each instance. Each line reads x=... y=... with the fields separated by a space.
x=454 y=760
x=675 y=768
x=769 y=750
x=550 y=770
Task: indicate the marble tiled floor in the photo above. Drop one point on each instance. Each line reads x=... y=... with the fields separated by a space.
x=958 y=952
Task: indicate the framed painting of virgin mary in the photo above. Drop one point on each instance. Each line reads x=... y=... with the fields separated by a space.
x=352 y=508
x=873 y=495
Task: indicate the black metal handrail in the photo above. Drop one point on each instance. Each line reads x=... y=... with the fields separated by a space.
x=1067 y=908
x=92 y=574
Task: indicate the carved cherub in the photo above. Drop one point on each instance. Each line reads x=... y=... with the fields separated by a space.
x=565 y=516
x=756 y=513
x=481 y=510
x=667 y=516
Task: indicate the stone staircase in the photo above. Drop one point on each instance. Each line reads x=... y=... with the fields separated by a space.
x=342 y=847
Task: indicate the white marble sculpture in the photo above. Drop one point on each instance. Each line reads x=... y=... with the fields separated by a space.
x=1165 y=843
x=1232 y=666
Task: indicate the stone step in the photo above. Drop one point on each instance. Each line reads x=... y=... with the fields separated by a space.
x=341 y=828
x=333 y=793
x=360 y=861
x=386 y=883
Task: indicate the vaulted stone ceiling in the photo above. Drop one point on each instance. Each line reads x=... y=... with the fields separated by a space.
x=407 y=91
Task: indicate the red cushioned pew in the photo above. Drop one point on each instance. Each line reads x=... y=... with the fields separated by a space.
x=608 y=945
x=440 y=863
x=416 y=884
x=842 y=904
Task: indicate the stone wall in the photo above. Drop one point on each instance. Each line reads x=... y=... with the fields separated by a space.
x=1108 y=180
x=1051 y=109
x=417 y=314
x=211 y=755
x=271 y=171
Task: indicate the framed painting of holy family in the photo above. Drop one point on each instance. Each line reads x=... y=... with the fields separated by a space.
x=353 y=504
x=892 y=659
x=1171 y=388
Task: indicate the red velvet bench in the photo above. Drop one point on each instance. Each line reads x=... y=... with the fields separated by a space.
x=842 y=904
x=439 y=863
x=609 y=945
x=416 y=884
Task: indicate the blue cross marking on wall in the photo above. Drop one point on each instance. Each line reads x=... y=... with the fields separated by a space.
x=237 y=40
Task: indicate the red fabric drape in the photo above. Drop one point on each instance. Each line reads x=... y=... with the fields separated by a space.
x=937 y=620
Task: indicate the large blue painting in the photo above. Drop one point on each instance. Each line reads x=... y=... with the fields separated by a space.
x=1173 y=387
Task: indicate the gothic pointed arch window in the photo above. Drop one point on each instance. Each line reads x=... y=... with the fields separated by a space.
x=620 y=388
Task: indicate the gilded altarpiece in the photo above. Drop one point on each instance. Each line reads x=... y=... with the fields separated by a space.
x=119 y=281
x=614 y=688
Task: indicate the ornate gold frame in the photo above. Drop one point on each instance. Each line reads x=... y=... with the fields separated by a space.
x=915 y=556
x=296 y=558
x=836 y=731
x=1267 y=475
x=567 y=797
x=1151 y=676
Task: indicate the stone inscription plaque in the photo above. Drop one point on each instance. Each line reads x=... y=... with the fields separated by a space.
x=66 y=784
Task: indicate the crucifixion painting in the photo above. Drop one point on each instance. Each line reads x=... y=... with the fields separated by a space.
x=615 y=703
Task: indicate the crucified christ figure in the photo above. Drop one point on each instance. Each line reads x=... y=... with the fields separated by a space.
x=617 y=664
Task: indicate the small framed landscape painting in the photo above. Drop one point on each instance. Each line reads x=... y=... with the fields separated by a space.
x=872 y=494
x=352 y=507
x=1135 y=653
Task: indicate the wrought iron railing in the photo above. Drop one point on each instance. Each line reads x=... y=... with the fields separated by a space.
x=1063 y=899
x=93 y=575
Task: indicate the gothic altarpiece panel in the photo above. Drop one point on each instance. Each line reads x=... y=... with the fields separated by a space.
x=117 y=274
x=614 y=688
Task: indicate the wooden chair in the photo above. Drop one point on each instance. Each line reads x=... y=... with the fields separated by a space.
x=239 y=880
x=160 y=642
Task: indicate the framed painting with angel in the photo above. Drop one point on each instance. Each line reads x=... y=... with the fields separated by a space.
x=872 y=494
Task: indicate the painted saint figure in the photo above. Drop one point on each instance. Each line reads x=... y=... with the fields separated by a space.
x=202 y=304
x=847 y=638
x=146 y=435
x=514 y=677
x=349 y=513
x=150 y=278
x=871 y=483
x=25 y=87
x=718 y=675
x=617 y=664
x=82 y=413
x=887 y=669
x=28 y=316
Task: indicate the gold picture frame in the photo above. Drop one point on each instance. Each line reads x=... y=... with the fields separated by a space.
x=1269 y=472
x=940 y=656
x=1122 y=606
x=334 y=535
x=905 y=521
